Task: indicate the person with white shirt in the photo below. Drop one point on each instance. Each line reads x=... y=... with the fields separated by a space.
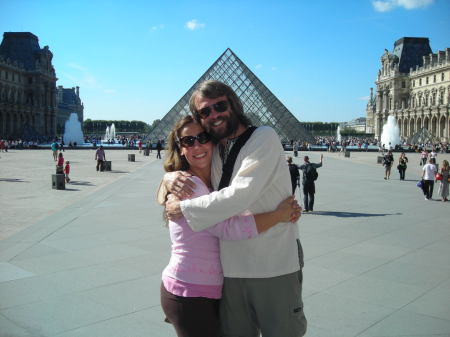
x=262 y=291
x=428 y=175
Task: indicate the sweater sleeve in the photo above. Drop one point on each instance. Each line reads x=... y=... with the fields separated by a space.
x=260 y=160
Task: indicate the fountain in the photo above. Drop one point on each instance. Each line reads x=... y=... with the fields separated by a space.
x=338 y=134
x=391 y=133
x=72 y=130
x=110 y=134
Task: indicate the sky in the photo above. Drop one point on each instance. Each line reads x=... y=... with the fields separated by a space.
x=133 y=60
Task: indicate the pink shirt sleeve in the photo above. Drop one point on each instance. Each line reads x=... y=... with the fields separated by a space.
x=238 y=227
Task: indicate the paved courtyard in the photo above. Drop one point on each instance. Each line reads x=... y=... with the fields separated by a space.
x=86 y=261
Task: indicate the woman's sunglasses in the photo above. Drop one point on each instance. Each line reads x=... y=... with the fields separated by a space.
x=221 y=106
x=189 y=141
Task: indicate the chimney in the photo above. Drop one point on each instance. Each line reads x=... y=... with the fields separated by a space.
x=77 y=91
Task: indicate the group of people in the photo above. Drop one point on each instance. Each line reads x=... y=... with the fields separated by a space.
x=430 y=173
x=228 y=197
x=63 y=167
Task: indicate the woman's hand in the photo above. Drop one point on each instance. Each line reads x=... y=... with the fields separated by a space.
x=179 y=184
x=289 y=210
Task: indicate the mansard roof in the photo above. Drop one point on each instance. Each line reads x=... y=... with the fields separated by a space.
x=410 y=51
x=261 y=106
x=22 y=47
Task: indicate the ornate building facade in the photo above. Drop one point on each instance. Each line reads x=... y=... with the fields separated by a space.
x=413 y=85
x=27 y=87
x=68 y=101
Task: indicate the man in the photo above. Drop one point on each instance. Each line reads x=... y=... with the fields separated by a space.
x=309 y=187
x=263 y=276
x=295 y=175
x=100 y=156
x=158 y=149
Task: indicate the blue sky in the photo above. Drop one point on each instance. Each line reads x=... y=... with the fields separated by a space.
x=134 y=60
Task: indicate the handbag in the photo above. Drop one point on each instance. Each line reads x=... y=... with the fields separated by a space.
x=420 y=184
x=438 y=176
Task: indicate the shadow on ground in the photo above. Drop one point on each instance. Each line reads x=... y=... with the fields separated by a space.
x=13 y=180
x=80 y=182
x=116 y=171
x=351 y=214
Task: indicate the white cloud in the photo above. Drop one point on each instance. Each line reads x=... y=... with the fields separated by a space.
x=387 y=5
x=157 y=27
x=82 y=77
x=194 y=24
x=258 y=66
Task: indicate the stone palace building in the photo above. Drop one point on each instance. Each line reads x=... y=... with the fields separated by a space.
x=413 y=85
x=30 y=103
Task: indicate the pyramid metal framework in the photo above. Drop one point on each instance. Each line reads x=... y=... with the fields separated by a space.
x=260 y=104
x=423 y=136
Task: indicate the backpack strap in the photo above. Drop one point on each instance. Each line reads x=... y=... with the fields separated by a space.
x=227 y=169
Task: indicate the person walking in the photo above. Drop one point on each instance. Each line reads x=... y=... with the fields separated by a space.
x=402 y=161
x=388 y=160
x=444 y=182
x=308 y=181
x=295 y=175
x=262 y=289
x=423 y=157
x=158 y=149
x=100 y=157
x=55 y=147
x=428 y=175
x=67 y=171
x=192 y=281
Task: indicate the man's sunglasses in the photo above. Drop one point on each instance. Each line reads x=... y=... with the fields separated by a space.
x=221 y=106
x=189 y=141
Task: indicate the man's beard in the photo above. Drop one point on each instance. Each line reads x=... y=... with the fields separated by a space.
x=232 y=124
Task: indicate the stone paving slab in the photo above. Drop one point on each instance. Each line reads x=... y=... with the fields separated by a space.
x=376 y=254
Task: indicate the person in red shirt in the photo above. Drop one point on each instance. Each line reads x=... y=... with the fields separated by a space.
x=60 y=164
x=67 y=171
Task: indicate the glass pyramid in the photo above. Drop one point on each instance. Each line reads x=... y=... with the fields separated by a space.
x=260 y=104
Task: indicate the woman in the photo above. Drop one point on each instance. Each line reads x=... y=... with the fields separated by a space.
x=428 y=176
x=402 y=165
x=443 y=187
x=387 y=162
x=192 y=282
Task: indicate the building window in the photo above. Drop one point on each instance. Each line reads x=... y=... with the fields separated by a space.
x=414 y=83
x=442 y=76
x=434 y=79
x=420 y=82
x=6 y=75
x=426 y=80
x=403 y=84
x=30 y=80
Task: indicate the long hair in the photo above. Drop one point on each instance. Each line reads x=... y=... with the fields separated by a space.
x=214 y=89
x=174 y=160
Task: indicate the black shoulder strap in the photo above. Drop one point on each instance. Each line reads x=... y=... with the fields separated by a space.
x=228 y=167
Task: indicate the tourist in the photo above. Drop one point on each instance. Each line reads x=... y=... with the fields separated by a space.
x=295 y=175
x=444 y=182
x=433 y=154
x=268 y=268
x=100 y=157
x=308 y=181
x=423 y=157
x=428 y=175
x=402 y=165
x=158 y=149
x=54 y=147
x=60 y=164
x=388 y=160
x=67 y=171
x=192 y=282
